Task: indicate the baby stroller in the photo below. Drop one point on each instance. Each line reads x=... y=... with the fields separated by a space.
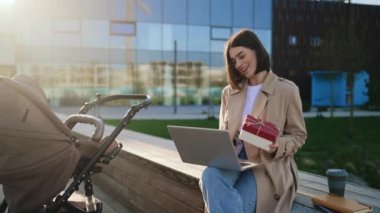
x=39 y=153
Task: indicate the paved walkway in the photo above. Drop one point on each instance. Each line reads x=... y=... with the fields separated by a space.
x=109 y=205
x=191 y=112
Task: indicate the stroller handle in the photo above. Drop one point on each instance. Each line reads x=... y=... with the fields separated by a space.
x=87 y=119
x=146 y=100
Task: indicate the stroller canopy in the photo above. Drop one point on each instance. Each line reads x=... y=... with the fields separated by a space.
x=33 y=141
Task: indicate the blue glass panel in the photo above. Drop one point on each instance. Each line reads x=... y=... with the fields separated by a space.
x=217 y=60
x=120 y=56
x=265 y=37
x=123 y=10
x=361 y=87
x=123 y=28
x=149 y=36
x=94 y=55
x=220 y=33
x=292 y=40
x=199 y=12
x=323 y=79
x=115 y=12
x=221 y=13
x=93 y=9
x=173 y=33
x=199 y=39
x=174 y=11
x=122 y=42
x=263 y=14
x=243 y=13
x=149 y=10
x=168 y=56
x=95 y=33
x=202 y=57
x=146 y=56
x=217 y=46
x=235 y=30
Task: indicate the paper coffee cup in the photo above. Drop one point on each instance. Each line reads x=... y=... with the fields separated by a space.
x=336 y=179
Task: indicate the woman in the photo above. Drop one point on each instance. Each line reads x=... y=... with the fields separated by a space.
x=254 y=89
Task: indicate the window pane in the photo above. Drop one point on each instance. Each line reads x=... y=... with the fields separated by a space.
x=63 y=55
x=95 y=33
x=122 y=56
x=173 y=33
x=147 y=56
x=122 y=42
x=217 y=46
x=265 y=37
x=242 y=13
x=219 y=33
x=174 y=11
x=7 y=49
x=123 y=28
x=127 y=13
x=202 y=57
x=67 y=26
x=35 y=32
x=292 y=40
x=67 y=9
x=315 y=41
x=199 y=38
x=168 y=56
x=95 y=55
x=263 y=14
x=149 y=36
x=235 y=30
x=217 y=59
x=199 y=12
x=64 y=39
x=149 y=10
x=221 y=13
x=94 y=9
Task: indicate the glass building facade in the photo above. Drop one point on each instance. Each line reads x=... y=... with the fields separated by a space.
x=76 y=48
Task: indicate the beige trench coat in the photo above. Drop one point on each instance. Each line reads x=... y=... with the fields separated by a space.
x=279 y=102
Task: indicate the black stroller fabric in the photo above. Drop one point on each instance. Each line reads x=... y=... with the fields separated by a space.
x=37 y=155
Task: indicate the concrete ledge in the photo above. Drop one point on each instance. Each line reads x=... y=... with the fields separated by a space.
x=149 y=187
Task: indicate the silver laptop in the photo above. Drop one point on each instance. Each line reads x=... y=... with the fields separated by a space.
x=208 y=147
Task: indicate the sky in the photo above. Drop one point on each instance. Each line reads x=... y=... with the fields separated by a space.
x=374 y=2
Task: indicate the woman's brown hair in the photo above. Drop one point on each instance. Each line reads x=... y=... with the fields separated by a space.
x=245 y=38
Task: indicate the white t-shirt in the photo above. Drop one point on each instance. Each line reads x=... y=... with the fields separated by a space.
x=252 y=92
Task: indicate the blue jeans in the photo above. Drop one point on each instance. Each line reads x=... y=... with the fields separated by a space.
x=229 y=191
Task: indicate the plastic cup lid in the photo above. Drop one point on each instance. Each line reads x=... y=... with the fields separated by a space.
x=336 y=172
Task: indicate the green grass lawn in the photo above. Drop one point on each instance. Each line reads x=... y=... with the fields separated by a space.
x=328 y=144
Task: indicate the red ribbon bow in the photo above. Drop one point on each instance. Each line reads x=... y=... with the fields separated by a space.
x=254 y=121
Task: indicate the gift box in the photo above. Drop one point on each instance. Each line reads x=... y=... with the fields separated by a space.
x=258 y=133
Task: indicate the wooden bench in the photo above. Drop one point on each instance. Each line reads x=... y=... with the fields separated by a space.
x=148 y=176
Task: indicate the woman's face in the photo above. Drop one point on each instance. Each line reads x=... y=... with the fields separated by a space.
x=244 y=60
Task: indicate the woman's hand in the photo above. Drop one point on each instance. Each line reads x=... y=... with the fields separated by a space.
x=273 y=147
